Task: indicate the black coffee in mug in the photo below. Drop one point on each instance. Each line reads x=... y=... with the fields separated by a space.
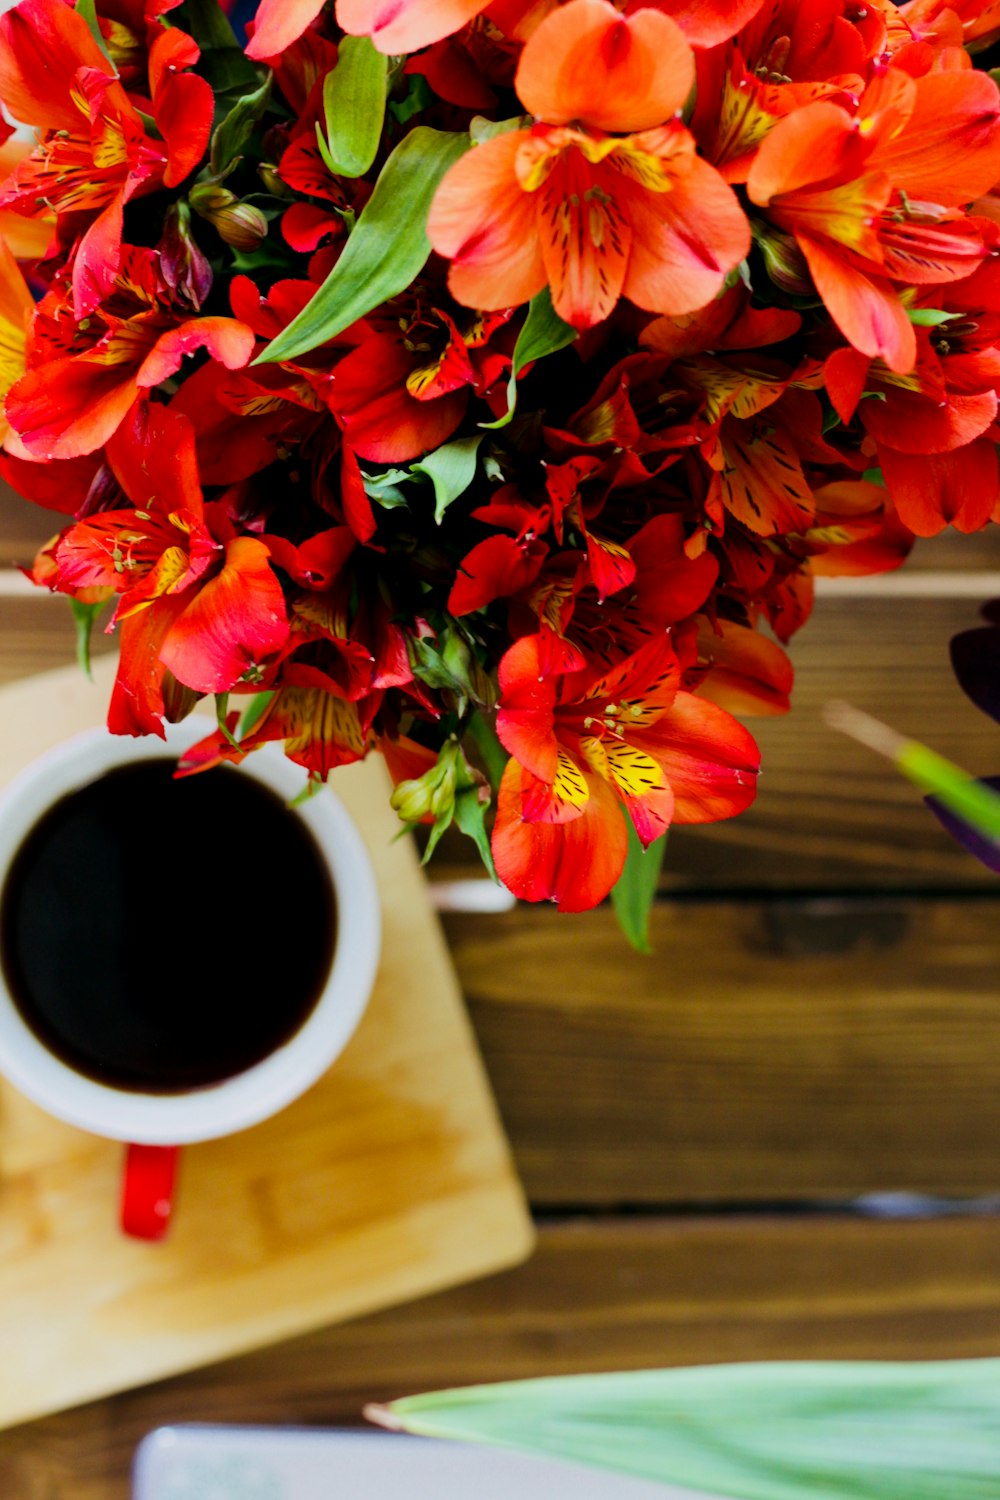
x=159 y=935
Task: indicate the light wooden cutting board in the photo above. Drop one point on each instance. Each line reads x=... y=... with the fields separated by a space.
x=391 y=1178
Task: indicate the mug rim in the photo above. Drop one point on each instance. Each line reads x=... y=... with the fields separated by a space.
x=256 y=1093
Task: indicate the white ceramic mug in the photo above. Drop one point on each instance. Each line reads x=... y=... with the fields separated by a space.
x=156 y=1124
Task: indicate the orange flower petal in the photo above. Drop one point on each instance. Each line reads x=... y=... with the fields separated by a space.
x=950 y=149
x=586 y=62
x=574 y=863
x=16 y=306
x=762 y=484
x=401 y=25
x=233 y=623
x=816 y=144
x=705 y=23
x=685 y=241
x=228 y=341
x=278 y=23
x=70 y=406
x=486 y=225
x=932 y=491
x=709 y=759
x=585 y=239
x=42 y=44
x=864 y=307
x=137 y=699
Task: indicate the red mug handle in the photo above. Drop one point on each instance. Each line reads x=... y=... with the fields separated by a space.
x=148 y=1190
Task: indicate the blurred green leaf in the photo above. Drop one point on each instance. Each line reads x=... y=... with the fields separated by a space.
x=88 y=10
x=929 y=317
x=84 y=616
x=783 y=1431
x=353 y=108
x=635 y=891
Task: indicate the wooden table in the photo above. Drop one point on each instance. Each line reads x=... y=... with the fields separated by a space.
x=820 y=1025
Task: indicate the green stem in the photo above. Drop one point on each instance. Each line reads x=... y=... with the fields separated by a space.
x=493 y=754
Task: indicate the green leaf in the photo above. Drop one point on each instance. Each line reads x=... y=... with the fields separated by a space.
x=492 y=754
x=929 y=317
x=84 y=616
x=88 y=10
x=387 y=248
x=973 y=801
x=418 y=97
x=482 y=129
x=223 y=61
x=635 y=891
x=785 y=1431
x=470 y=815
x=253 y=713
x=353 y=108
x=451 y=469
x=232 y=134
x=544 y=332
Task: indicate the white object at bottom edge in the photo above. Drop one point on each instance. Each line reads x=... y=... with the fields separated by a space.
x=273 y=1463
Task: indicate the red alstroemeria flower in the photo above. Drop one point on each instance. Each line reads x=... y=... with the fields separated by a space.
x=320 y=729
x=932 y=430
x=95 y=155
x=405 y=388
x=877 y=198
x=593 y=215
x=953 y=23
x=789 y=55
x=195 y=598
x=582 y=751
x=82 y=381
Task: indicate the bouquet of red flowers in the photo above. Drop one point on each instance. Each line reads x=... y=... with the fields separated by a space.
x=485 y=382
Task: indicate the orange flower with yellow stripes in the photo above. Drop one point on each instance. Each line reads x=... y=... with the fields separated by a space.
x=585 y=749
x=605 y=195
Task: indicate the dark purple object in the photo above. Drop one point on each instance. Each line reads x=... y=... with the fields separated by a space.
x=987 y=851
x=975 y=657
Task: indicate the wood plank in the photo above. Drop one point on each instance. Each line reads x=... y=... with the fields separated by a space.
x=829 y=814
x=38 y=635
x=613 y=1295
x=769 y=1052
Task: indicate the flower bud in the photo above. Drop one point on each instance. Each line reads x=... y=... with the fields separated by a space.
x=785 y=262
x=240 y=224
x=182 y=265
x=268 y=174
x=431 y=795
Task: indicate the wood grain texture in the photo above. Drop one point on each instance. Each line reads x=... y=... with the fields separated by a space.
x=770 y=1051
x=606 y=1295
x=402 y=1181
x=829 y=814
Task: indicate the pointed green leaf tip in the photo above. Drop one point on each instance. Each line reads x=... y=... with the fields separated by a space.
x=635 y=890
x=387 y=248
x=353 y=107
x=786 y=1431
x=543 y=332
x=451 y=469
x=84 y=616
